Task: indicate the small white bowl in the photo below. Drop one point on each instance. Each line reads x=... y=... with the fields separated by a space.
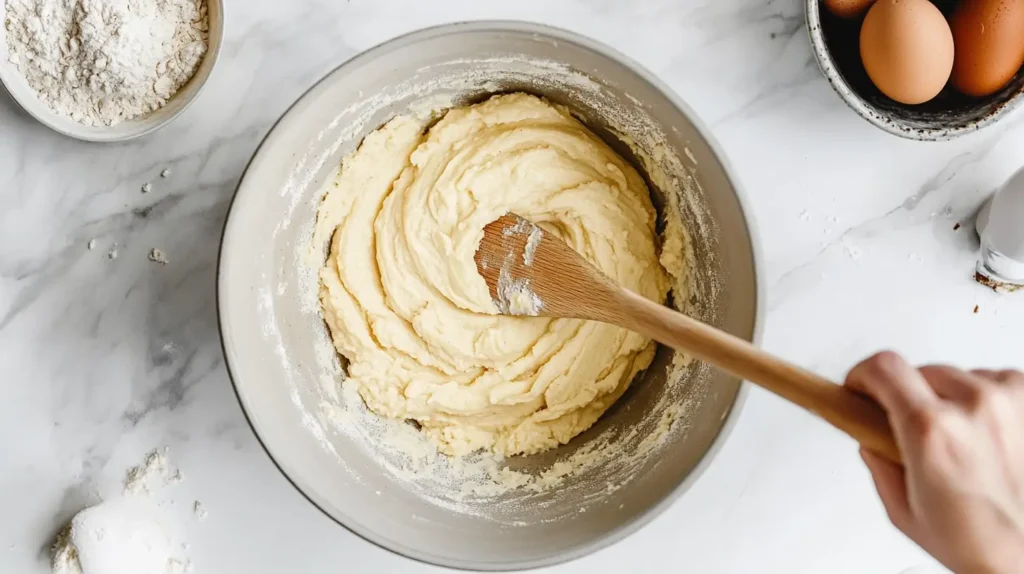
x=20 y=91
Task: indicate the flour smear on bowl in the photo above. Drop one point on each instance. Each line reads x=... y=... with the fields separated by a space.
x=103 y=62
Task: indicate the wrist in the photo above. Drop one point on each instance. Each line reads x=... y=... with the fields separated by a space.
x=1001 y=556
x=1007 y=559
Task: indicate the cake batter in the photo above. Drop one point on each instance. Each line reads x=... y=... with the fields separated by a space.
x=408 y=311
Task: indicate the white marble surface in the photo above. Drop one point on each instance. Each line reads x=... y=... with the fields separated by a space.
x=103 y=359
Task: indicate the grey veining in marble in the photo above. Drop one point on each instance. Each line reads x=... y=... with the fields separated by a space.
x=104 y=359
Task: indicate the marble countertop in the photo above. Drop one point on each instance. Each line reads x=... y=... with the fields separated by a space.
x=105 y=359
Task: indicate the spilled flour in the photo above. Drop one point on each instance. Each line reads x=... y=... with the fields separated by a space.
x=114 y=537
x=154 y=471
x=123 y=535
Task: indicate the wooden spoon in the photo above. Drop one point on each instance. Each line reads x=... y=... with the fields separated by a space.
x=530 y=272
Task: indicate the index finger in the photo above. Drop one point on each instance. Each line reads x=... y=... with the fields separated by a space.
x=893 y=383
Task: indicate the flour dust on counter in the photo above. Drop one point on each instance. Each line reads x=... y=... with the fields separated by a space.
x=154 y=471
x=124 y=534
x=158 y=256
x=121 y=536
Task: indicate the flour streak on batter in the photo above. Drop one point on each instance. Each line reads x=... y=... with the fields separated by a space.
x=408 y=310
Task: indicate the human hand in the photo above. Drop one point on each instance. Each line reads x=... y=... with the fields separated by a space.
x=960 y=493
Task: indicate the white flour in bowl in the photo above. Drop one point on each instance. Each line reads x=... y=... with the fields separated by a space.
x=103 y=62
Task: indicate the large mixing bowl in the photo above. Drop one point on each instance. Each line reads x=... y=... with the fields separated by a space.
x=654 y=442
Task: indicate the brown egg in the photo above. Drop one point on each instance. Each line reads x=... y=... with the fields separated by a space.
x=907 y=49
x=989 y=37
x=848 y=8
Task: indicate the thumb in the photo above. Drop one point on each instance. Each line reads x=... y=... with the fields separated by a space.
x=890 y=483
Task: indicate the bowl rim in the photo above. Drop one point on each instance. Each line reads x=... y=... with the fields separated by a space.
x=891 y=125
x=732 y=416
x=29 y=100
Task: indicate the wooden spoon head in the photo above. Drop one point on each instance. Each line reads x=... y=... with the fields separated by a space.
x=531 y=272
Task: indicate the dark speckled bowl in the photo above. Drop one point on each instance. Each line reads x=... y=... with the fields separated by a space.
x=835 y=42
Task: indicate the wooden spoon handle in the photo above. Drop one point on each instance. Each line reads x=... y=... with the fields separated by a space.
x=850 y=412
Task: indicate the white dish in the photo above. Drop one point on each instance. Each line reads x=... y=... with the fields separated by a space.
x=346 y=460
x=18 y=88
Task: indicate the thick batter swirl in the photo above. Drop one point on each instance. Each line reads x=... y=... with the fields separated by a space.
x=408 y=310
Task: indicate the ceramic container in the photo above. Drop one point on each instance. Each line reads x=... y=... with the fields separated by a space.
x=276 y=345
x=836 y=46
x=27 y=98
